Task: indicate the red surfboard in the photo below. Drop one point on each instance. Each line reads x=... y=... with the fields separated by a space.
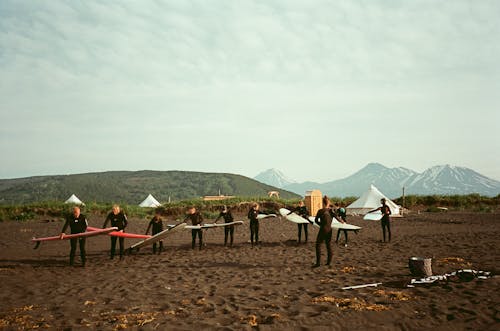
x=77 y=235
x=89 y=233
x=121 y=234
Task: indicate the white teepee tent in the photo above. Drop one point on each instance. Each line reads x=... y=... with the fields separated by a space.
x=150 y=201
x=371 y=200
x=74 y=200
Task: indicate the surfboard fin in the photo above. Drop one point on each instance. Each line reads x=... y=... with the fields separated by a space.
x=37 y=244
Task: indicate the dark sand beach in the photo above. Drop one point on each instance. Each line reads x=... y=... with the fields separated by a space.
x=268 y=287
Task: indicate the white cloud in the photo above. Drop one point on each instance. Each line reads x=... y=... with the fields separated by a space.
x=265 y=76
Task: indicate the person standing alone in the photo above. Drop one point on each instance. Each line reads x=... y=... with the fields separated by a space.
x=254 y=223
x=117 y=218
x=196 y=219
x=156 y=224
x=324 y=220
x=302 y=211
x=78 y=224
x=341 y=214
x=386 y=220
x=225 y=213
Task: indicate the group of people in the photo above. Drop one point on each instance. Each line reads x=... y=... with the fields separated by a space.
x=301 y=210
x=195 y=217
x=78 y=223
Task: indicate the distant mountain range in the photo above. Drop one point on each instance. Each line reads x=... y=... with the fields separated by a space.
x=442 y=179
x=131 y=187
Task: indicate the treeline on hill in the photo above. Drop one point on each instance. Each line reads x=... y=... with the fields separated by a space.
x=210 y=209
x=472 y=202
x=131 y=187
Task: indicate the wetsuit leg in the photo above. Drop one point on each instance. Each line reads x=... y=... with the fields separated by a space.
x=193 y=238
x=231 y=233
x=345 y=233
x=389 y=229
x=122 y=246
x=83 y=255
x=319 y=240
x=226 y=233
x=251 y=232
x=338 y=236
x=305 y=231
x=383 y=228
x=200 y=237
x=299 y=227
x=72 y=251
x=254 y=232
x=328 y=243
x=257 y=232
x=161 y=247
x=154 y=248
x=113 y=246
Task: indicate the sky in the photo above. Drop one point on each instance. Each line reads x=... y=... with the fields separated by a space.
x=316 y=89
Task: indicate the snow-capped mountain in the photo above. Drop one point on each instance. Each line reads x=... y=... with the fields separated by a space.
x=390 y=179
x=447 y=179
x=274 y=177
x=443 y=179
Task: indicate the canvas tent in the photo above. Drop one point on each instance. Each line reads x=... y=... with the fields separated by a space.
x=150 y=201
x=371 y=200
x=74 y=200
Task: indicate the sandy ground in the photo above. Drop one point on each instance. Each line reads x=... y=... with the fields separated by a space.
x=268 y=287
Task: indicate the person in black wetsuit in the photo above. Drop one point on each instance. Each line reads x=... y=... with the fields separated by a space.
x=156 y=224
x=228 y=230
x=254 y=223
x=385 y=221
x=324 y=220
x=342 y=217
x=78 y=224
x=196 y=219
x=117 y=218
x=302 y=211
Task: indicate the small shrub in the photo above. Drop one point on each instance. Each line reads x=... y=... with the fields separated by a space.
x=433 y=209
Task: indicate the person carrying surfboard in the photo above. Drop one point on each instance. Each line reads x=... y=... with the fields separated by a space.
x=254 y=223
x=196 y=219
x=117 y=218
x=385 y=221
x=341 y=214
x=324 y=220
x=302 y=211
x=156 y=224
x=77 y=222
x=225 y=213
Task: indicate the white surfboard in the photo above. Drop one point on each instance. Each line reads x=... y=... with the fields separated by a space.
x=262 y=216
x=375 y=216
x=293 y=217
x=157 y=237
x=343 y=226
x=198 y=227
x=338 y=225
x=227 y=224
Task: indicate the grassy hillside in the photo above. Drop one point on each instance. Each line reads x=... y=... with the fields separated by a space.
x=131 y=187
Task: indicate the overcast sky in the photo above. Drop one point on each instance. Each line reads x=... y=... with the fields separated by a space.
x=317 y=89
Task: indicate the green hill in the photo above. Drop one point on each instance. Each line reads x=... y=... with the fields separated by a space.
x=131 y=187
